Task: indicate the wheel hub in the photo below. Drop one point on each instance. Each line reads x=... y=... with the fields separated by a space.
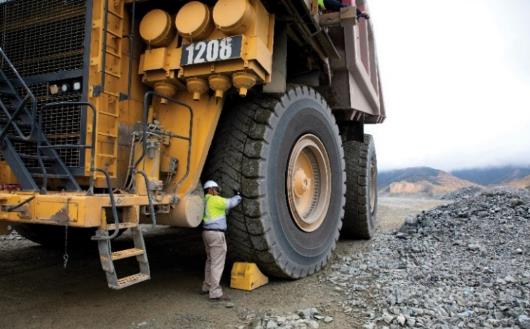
x=309 y=183
x=302 y=183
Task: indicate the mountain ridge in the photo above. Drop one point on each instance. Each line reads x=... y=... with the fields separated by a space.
x=419 y=180
x=431 y=181
x=501 y=175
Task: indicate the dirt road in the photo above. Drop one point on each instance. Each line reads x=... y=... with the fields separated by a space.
x=36 y=292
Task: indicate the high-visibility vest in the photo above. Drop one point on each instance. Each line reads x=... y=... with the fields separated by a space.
x=321 y=4
x=215 y=207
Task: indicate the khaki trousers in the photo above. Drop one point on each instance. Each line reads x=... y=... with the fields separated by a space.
x=215 y=245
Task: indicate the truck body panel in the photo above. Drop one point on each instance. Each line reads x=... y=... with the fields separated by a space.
x=109 y=108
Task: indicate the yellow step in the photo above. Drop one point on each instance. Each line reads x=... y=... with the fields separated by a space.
x=130 y=280
x=121 y=226
x=127 y=253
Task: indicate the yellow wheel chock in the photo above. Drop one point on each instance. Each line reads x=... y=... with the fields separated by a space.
x=247 y=276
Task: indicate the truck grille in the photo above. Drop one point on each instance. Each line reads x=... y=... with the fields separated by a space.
x=61 y=125
x=43 y=36
x=45 y=40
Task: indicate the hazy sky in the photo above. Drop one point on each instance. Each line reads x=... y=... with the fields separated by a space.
x=456 y=79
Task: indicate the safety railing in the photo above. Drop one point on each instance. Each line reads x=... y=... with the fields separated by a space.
x=22 y=102
x=147 y=104
x=92 y=145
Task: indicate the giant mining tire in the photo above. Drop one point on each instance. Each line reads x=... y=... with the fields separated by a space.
x=53 y=236
x=361 y=196
x=285 y=156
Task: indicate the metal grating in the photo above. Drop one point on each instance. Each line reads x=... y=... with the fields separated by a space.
x=43 y=36
x=61 y=125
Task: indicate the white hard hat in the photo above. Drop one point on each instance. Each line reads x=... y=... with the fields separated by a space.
x=210 y=184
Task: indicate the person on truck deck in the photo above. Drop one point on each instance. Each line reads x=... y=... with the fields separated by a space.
x=336 y=5
x=333 y=5
x=214 y=228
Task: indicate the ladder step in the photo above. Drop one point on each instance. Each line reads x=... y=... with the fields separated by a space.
x=112 y=74
x=56 y=176
x=117 y=35
x=127 y=253
x=121 y=226
x=115 y=14
x=112 y=53
x=35 y=157
x=130 y=280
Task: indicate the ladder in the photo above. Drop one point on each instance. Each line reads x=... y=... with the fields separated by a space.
x=108 y=257
x=20 y=129
x=108 y=72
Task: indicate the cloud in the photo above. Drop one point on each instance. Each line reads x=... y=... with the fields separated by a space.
x=454 y=96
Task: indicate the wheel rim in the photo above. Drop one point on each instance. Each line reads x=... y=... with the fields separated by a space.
x=373 y=187
x=309 y=183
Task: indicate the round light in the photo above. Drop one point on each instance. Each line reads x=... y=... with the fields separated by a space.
x=194 y=21
x=65 y=87
x=54 y=89
x=156 y=28
x=77 y=86
x=233 y=16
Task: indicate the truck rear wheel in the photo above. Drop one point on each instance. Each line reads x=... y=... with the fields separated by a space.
x=361 y=196
x=285 y=155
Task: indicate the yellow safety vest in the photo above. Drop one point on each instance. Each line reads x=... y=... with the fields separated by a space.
x=215 y=207
x=321 y=4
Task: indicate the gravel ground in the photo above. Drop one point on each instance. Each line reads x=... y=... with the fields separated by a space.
x=461 y=265
x=11 y=236
x=463 y=193
x=36 y=292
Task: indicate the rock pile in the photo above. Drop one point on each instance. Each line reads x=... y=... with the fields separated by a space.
x=461 y=265
x=463 y=193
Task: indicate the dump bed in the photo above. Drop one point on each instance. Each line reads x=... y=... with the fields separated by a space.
x=346 y=46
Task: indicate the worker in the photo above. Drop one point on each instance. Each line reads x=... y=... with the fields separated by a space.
x=334 y=5
x=214 y=228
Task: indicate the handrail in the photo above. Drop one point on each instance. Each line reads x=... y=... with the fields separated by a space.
x=101 y=87
x=115 y=217
x=132 y=42
x=21 y=106
x=11 y=121
x=147 y=102
x=92 y=145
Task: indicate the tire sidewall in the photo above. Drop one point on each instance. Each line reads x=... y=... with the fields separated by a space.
x=371 y=182
x=304 y=115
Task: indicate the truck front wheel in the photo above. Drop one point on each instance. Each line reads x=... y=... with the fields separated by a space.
x=285 y=155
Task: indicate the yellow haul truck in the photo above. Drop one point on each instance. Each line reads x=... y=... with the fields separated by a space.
x=112 y=112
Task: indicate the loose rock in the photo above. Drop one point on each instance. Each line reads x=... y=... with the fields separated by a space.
x=461 y=265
